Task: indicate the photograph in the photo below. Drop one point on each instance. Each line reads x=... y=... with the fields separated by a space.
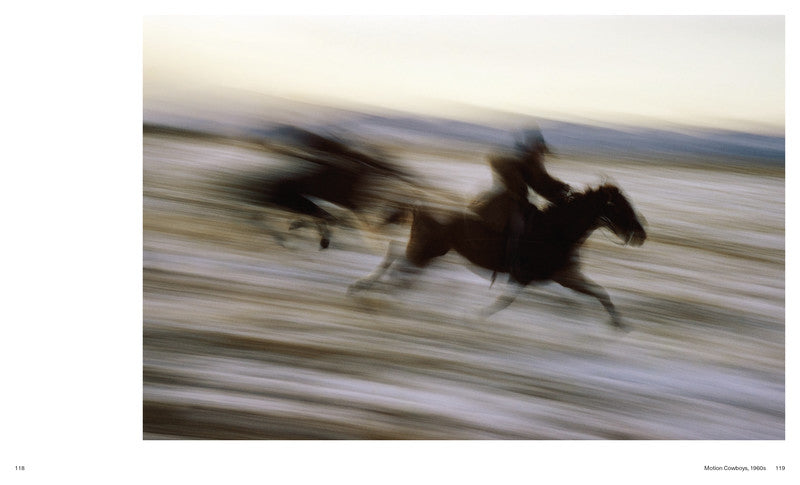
x=463 y=228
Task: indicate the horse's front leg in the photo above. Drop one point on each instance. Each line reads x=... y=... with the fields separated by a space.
x=503 y=300
x=572 y=278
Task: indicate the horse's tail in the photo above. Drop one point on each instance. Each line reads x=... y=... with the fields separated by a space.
x=406 y=212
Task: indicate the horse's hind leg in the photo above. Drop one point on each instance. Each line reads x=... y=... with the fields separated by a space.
x=298 y=224
x=298 y=203
x=404 y=272
x=324 y=234
x=426 y=242
x=392 y=253
x=573 y=279
x=257 y=219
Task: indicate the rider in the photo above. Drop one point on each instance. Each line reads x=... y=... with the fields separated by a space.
x=504 y=207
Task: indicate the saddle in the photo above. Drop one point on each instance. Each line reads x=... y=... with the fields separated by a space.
x=495 y=209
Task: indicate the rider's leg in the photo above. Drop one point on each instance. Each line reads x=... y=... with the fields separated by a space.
x=516 y=224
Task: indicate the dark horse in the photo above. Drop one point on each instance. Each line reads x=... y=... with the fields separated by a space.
x=326 y=169
x=548 y=251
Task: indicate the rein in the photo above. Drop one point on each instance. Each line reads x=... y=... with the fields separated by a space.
x=615 y=240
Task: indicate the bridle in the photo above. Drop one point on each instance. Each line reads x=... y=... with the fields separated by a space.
x=607 y=223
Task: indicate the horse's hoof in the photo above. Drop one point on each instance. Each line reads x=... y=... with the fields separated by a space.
x=618 y=325
x=357 y=286
x=280 y=241
x=324 y=243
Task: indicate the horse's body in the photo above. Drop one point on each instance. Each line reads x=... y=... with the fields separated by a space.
x=329 y=170
x=548 y=250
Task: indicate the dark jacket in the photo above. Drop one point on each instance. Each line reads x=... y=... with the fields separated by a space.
x=514 y=175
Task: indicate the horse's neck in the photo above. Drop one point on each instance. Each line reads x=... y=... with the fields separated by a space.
x=578 y=217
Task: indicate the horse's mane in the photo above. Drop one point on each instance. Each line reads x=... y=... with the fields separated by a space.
x=587 y=194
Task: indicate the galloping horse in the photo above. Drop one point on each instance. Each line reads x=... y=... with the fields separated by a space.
x=548 y=252
x=337 y=173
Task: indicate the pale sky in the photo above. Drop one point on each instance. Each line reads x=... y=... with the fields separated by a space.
x=691 y=69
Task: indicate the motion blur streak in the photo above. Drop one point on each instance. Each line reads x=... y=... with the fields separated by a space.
x=249 y=332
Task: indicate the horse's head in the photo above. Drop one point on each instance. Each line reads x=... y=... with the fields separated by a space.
x=617 y=214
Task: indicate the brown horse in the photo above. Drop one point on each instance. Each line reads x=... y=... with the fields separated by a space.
x=326 y=169
x=548 y=251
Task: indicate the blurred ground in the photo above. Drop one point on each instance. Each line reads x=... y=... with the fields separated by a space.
x=247 y=339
